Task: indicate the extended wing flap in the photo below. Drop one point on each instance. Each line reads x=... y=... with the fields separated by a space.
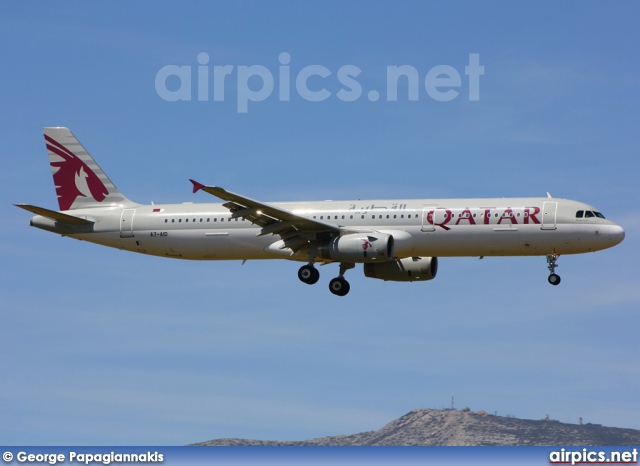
x=55 y=216
x=277 y=228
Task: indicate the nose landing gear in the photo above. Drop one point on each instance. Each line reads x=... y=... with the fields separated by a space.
x=554 y=279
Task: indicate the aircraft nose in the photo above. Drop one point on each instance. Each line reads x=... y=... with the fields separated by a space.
x=616 y=233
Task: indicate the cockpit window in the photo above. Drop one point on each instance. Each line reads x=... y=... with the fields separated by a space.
x=588 y=214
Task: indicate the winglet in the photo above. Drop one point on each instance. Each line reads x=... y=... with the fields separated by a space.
x=196 y=186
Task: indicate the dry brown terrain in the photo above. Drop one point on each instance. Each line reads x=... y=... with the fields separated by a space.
x=450 y=427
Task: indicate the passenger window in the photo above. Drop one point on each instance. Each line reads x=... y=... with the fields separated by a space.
x=166 y=220
x=588 y=214
x=580 y=214
x=350 y=217
x=173 y=220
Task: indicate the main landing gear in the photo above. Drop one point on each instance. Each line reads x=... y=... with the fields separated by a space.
x=554 y=279
x=308 y=274
x=339 y=286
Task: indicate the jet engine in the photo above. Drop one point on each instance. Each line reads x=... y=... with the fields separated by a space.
x=409 y=269
x=358 y=247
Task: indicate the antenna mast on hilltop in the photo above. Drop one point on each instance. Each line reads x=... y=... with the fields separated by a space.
x=452 y=404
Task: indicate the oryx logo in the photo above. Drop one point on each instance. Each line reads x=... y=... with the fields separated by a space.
x=73 y=178
x=366 y=244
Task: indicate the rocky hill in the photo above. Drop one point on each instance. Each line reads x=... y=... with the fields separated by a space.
x=450 y=427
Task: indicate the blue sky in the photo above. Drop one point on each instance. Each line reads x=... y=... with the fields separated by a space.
x=101 y=346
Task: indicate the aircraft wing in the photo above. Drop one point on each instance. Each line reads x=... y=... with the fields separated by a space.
x=296 y=231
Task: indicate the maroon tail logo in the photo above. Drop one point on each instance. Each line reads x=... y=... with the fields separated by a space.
x=73 y=178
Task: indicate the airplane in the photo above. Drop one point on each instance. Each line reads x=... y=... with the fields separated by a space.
x=396 y=240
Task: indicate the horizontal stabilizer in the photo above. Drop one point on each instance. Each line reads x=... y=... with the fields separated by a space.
x=55 y=216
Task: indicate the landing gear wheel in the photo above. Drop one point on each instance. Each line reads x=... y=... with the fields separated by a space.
x=551 y=265
x=554 y=279
x=308 y=274
x=339 y=286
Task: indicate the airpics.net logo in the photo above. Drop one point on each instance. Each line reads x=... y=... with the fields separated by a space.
x=207 y=82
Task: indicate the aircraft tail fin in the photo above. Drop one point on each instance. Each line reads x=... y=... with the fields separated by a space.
x=79 y=181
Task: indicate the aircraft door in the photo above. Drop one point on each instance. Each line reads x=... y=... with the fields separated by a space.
x=126 y=223
x=434 y=216
x=427 y=219
x=549 y=210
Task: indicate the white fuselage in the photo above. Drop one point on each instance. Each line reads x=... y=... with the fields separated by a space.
x=421 y=227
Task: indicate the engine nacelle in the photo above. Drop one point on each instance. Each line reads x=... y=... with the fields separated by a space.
x=358 y=247
x=409 y=269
